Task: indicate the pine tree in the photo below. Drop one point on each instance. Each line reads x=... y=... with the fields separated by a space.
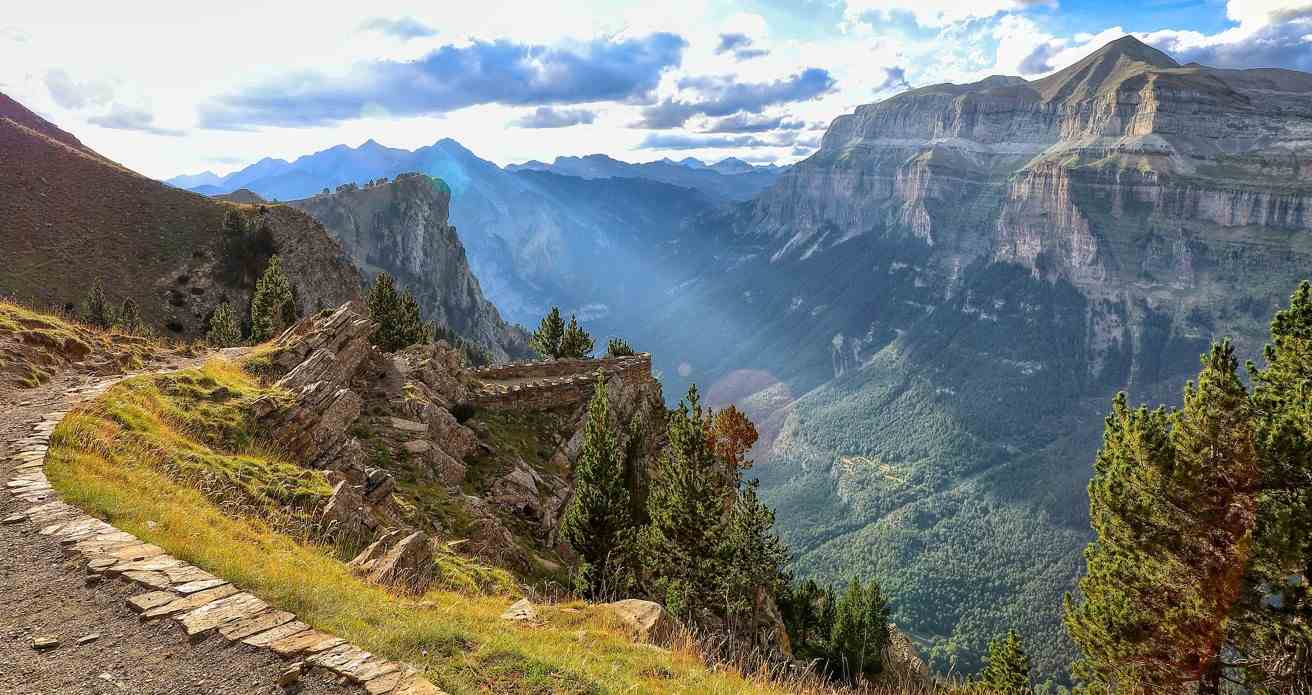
x=1172 y=508
x=1007 y=667
x=860 y=633
x=96 y=310
x=396 y=316
x=129 y=318
x=1273 y=630
x=225 y=330
x=686 y=506
x=269 y=305
x=576 y=343
x=597 y=521
x=547 y=338
x=754 y=559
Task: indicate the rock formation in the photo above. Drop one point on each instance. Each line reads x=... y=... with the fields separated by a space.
x=400 y=227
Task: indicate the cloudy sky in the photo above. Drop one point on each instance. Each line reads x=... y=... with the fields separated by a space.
x=170 y=87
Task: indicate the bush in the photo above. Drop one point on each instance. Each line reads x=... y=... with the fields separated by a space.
x=618 y=347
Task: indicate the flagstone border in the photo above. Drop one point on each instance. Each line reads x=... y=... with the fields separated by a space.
x=175 y=590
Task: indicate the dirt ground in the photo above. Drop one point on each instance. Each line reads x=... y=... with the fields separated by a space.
x=103 y=647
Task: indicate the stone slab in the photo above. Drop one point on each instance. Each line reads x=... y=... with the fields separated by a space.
x=198 y=585
x=154 y=580
x=264 y=639
x=144 y=602
x=191 y=602
x=256 y=624
x=226 y=610
x=307 y=642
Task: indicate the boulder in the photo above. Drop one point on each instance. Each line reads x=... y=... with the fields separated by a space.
x=521 y=611
x=645 y=621
x=401 y=560
x=345 y=513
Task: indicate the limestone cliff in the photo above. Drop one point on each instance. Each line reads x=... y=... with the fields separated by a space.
x=400 y=227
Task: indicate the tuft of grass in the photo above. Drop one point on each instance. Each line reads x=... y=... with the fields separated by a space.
x=35 y=345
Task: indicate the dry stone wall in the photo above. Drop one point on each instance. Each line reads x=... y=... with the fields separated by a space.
x=530 y=385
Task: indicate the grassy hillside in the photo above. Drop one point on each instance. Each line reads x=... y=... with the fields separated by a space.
x=72 y=216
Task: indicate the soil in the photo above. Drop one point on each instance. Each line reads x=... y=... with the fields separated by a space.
x=44 y=594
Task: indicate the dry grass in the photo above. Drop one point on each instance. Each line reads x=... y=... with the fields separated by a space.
x=171 y=459
x=34 y=346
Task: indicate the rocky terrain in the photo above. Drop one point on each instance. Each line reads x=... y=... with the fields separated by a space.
x=72 y=216
x=416 y=441
x=400 y=227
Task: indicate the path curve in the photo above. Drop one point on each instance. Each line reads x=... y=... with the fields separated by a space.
x=124 y=616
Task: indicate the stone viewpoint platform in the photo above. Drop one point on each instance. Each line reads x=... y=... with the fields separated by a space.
x=553 y=383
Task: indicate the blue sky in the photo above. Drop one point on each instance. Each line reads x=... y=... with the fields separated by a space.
x=174 y=87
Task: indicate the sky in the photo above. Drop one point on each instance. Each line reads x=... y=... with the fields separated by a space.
x=178 y=87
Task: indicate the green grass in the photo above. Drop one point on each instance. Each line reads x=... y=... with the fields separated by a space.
x=163 y=457
x=35 y=346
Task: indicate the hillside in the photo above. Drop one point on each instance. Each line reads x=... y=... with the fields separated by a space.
x=72 y=216
x=930 y=314
x=400 y=227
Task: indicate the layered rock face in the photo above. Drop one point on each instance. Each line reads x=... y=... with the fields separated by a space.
x=384 y=428
x=400 y=227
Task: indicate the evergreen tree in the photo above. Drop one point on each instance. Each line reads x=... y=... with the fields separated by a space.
x=129 y=318
x=754 y=559
x=96 y=309
x=618 y=347
x=1172 y=509
x=396 y=316
x=575 y=343
x=597 y=521
x=686 y=506
x=225 y=330
x=1007 y=667
x=270 y=304
x=547 y=338
x=1273 y=631
x=860 y=633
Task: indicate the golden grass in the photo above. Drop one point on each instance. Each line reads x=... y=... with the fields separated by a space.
x=160 y=457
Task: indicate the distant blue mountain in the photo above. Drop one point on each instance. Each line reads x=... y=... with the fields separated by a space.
x=730 y=180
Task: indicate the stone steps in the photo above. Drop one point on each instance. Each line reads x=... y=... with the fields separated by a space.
x=175 y=590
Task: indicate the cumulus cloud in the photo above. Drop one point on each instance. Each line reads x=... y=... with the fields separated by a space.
x=724 y=96
x=71 y=94
x=403 y=28
x=862 y=15
x=1284 y=40
x=745 y=123
x=679 y=141
x=453 y=77
x=122 y=117
x=547 y=117
x=740 y=45
x=1040 y=60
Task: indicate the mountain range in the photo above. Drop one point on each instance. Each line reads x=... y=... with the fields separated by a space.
x=928 y=317
x=533 y=236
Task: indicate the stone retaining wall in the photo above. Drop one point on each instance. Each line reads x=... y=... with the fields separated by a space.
x=555 y=383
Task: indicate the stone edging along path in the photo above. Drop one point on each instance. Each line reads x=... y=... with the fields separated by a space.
x=176 y=590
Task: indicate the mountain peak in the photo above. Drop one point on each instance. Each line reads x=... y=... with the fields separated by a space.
x=1104 y=70
x=1130 y=47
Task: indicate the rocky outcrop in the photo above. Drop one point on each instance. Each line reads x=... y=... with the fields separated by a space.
x=401 y=560
x=400 y=227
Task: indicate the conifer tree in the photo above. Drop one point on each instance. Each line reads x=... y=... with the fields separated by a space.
x=96 y=309
x=129 y=318
x=576 y=343
x=1172 y=508
x=224 y=330
x=1273 y=631
x=754 y=558
x=686 y=506
x=396 y=316
x=1007 y=668
x=546 y=339
x=271 y=302
x=860 y=633
x=597 y=521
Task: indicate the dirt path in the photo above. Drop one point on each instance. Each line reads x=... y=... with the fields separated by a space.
x=103 y=646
